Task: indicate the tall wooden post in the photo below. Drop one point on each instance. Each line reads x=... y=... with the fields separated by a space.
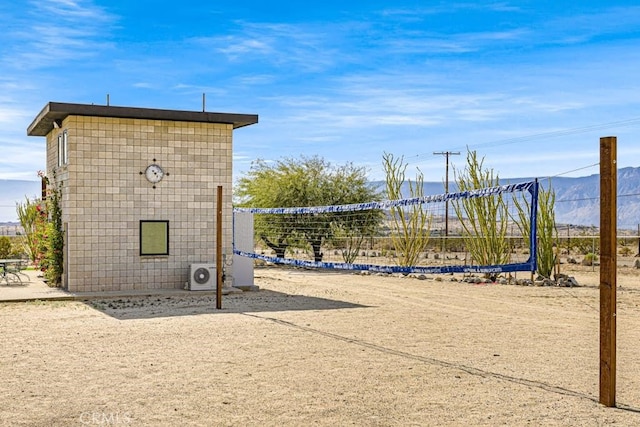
x=219 y=266
x=608 y=264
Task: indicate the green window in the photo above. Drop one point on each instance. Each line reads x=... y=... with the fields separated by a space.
x=154 y=237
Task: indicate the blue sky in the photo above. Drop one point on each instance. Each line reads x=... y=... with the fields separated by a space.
x=529 y=85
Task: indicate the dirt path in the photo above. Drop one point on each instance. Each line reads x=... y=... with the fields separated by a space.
x=318 y=348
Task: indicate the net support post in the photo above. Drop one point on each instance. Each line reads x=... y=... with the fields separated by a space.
x=608 y=265
x=533 y=228
x=219 y=265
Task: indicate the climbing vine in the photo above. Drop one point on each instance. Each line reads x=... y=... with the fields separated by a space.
x=53 y=259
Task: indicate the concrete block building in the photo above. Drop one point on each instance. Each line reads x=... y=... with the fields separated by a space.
x=138 y=191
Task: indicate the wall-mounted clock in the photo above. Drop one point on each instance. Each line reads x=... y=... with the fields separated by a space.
x=154 y=173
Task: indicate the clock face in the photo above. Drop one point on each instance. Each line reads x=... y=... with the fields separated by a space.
x=154 y=173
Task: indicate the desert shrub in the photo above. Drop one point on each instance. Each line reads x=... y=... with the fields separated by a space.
x=410 y=226
x=590 y=259
x=625 y=251
x=455 y=245
x=5 y=247
x=625 y=241
x=32 y=217
x=484 y=220
x=585 y=244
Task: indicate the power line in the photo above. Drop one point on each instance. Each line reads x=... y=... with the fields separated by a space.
x=596 y=198
x=562 y=132
x=574 y=170
x=551 y=134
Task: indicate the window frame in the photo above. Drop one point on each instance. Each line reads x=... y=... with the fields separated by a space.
x=63 y=142
x=149 y=247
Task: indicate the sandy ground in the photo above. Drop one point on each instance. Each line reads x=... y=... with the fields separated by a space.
x=322 y=348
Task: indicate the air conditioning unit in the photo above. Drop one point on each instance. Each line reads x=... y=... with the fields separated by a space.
x=202 y=277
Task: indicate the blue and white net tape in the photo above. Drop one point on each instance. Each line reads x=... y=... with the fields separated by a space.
x=505 y=268
x=484 y=192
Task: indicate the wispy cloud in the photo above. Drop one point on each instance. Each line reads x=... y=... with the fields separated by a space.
x=14 y=164
x=143 y=85
x=584 y=27
x=449 y=8
x=38 y=37
x=347 y=83
x=562 y=28
x=73 y=30
x=12 y=111
x=70 y=10
x=308 y=48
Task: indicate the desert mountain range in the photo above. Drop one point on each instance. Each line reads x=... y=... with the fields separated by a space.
x=577 y=199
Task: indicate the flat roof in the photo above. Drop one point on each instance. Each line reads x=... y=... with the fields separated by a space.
x=54 y=111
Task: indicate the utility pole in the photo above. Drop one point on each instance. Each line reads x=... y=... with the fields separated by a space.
x=446 y=154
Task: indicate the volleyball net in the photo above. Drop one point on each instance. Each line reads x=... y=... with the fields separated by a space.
x=490 y=230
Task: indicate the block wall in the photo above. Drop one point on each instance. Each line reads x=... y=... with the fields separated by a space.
x=104 y=197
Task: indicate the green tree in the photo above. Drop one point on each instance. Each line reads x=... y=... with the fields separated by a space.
x=484 y=219
x=307 y=181
x=410 y=225
x=351 y=229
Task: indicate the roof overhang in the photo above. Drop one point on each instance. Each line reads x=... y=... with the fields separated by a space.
x=54 y=112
